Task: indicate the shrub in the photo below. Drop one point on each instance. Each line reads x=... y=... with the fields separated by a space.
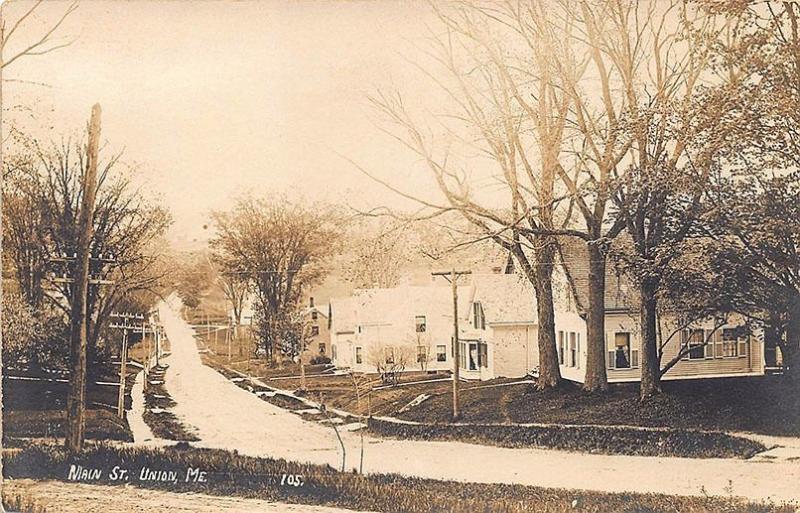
x=320 y=360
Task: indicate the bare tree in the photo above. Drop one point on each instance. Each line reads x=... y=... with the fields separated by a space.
x=377 y=259
x=236 y=291
x=500 y=79
x=390 y=361
x=45 y=190
x=46 y=43
x=40 y=47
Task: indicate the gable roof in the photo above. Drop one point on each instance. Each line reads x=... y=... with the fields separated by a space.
x=388 y=305
x=505 y=298
x=619 y=293
x=343 y=314
x=307 y=310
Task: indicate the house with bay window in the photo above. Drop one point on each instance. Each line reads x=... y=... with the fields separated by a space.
x=498 y=332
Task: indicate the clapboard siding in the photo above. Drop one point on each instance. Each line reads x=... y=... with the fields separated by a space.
x=750 y=364
x=515 y=350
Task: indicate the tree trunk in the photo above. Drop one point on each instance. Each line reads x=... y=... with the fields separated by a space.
x=651 y=366
x=773 y=330
x=596 y=379
x=549 y=372
x=790 y=348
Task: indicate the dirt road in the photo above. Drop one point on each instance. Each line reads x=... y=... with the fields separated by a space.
x=229 y=417
x=85 y=498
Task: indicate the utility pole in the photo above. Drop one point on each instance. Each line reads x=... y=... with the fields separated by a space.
x=158 y=346
x=452 y=276
x=228 y=340
x=146 y=343
x=216 y=338
x=2 y=187
x=123 y=376
x=126 y=325
x=76 y=400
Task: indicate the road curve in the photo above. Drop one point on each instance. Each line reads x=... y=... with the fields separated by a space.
x=229 y=417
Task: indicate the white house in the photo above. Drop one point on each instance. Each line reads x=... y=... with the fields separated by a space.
x=502 y=340
x=723 y=346
x=409 y=324
x=497 y=327
x=342 y=328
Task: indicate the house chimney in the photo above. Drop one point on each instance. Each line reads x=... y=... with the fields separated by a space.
x=311 y=302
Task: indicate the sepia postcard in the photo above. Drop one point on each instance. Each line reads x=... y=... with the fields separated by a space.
x=390 y=256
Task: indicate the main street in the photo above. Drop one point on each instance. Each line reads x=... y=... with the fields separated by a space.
x=229 y=417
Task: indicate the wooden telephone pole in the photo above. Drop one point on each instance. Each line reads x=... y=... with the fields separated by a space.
x=76 y=399
x=452 y=276
x=128 y=323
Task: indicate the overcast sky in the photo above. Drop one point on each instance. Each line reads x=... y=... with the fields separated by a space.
x=218 y=99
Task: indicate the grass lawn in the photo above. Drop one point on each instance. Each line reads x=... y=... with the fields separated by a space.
x=100 y=425
x=35 y=407
x=336 y=391
x=768 y=405
x=230 y=474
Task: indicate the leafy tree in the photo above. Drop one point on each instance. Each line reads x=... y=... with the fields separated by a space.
x=32 y=338
x=280 y=249
x=195 y=276
x=754 y=205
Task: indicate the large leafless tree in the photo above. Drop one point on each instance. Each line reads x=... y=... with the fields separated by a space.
x=44 y=192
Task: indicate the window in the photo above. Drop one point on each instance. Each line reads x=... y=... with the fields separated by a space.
x=313 y=315
x=359 y=358
x=743 y=343
x=622 y=350
x=561 y=348
x=441 y=353
x=695 y=340
x=573 y=356
x=422 y=354
x=420 y=323
x=478 y=318
x=388 y=353
x=321 y=348
x=730 y=343
x=314 y=331
x=333 y=351
x=473 y=355
x=578 y=349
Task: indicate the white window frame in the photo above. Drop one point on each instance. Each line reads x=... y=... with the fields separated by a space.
x=685 y=343
x=420 y=327
x=573 y=350
x=633 y=352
